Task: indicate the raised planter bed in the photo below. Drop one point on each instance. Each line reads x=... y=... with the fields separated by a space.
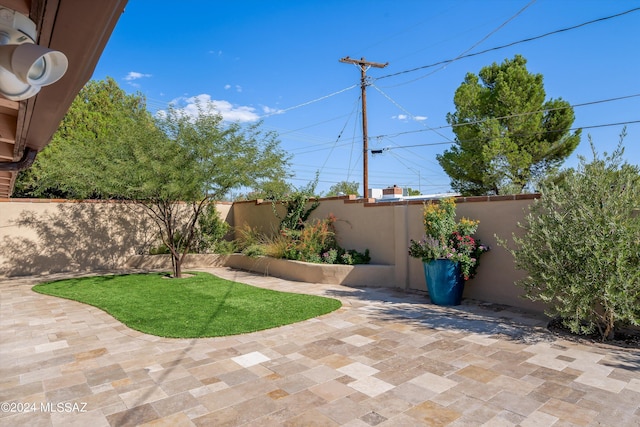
x=375 y=275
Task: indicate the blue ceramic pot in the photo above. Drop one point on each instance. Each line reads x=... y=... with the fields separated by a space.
x=444 y=281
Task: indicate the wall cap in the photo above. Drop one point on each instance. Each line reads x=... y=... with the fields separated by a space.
x=368 y=202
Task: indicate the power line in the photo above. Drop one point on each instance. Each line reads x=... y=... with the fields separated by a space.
x=528 y=113
x=355 y=107
x=448 y=61
x=322 y=149
x=404 y=110
x=312 y=125
x=536 y=133
x=496 y=30
x=462 y=55
x=304 y=104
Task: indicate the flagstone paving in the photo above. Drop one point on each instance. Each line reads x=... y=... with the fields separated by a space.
x=385 y=358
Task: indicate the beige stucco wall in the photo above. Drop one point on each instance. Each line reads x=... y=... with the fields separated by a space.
x=256 y=214
x=497 y=274
x=386 y=228
x=359 y=227
x=42 y=237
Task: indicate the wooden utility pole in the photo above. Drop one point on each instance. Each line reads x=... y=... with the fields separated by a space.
x=364 y=66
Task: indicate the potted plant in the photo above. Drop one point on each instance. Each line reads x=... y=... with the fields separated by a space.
x=449 y=252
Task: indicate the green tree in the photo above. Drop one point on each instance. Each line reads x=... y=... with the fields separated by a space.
x=268 y=190
x=581 y=246
x=295 y=204
x=194 y=160
x=412 y=192
x=343 y=188
x=177 y=165
x=211 y=231
x=507 y=136
x=95 y=117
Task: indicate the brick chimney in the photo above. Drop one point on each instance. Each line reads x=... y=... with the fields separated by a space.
x=392 y=192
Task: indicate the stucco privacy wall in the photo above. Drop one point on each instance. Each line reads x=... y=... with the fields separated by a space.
x=41 y=236
x=386 y=228
x=357 y=227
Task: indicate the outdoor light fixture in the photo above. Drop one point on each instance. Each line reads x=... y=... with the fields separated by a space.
x=25 y=66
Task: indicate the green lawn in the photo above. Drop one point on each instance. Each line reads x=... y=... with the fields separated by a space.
x=200 y=306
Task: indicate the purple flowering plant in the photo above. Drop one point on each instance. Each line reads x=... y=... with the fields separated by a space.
x=446 y=238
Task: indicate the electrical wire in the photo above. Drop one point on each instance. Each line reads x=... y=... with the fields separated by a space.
x=313 y=125
x=304 y=104
x=160 y=104
x=582 y=104
x=404 y=109
x=462 y=55
x=448 y=61
x=355 y=108
x=536 y=133
x=415 y=155
x=322 y=149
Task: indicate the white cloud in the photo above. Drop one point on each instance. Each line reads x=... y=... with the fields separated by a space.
x=228 y=111
x=133 y=75
x=268 y=111
x=237 y=87
x=406 y=118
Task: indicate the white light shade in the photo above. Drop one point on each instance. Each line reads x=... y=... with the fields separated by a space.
x=24 y=68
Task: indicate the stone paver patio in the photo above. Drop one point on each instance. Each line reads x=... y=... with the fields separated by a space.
x=384 y=359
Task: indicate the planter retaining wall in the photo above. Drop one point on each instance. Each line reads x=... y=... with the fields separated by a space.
x=370 y=275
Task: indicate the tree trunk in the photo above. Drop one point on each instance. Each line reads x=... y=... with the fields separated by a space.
x=609 y=331
x=177 y=266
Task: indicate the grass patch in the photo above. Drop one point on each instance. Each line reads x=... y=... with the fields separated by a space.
x=199 y=306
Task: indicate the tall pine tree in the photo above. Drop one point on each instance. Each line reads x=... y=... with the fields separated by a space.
x=507 y=136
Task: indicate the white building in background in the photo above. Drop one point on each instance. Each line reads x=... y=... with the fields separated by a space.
x=397 y=194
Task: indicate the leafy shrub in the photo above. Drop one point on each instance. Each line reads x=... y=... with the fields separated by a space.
x=310 y=242
x=581 y=247
x=210 y=232
x=254 y=250
x=274 y=246
x=352 y=257
x=316 y=242
x=247 y=236
x=295 y=204
x=330 y=256
x=163 y=249
x=313 y=241
x=226 y=247
x=208 y=237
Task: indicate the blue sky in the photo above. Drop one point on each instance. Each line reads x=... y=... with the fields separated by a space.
x=279 y=61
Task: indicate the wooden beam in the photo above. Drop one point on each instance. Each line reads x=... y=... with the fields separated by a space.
x=6 y=151
x=7 y=128
x=7 y=104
